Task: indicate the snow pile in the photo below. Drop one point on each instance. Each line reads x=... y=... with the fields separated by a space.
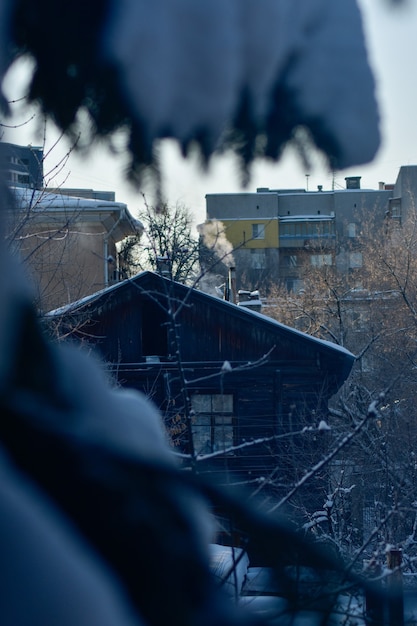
x=185 y=68
x=229 y=565
x=238 y=74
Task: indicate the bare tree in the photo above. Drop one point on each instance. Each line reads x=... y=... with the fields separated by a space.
x=167 y=246
x=370 y=309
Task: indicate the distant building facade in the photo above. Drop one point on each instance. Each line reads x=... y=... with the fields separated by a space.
x=69 y=244
x=67 y=238
x=275 y=232
x=22 y=166
x=89 y=194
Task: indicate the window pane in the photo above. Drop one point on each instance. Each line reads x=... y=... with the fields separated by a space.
x=258 y=259
x=202 y=438
x=290 y=260
x=355 y=259
x=223 y=420
x=295 y=285
x=201 y=403
x=258 y=231
x=223 y=434
x=201 y=419
x=319 y=260
x=352 y=230
x=222 y=403
x=212 y=423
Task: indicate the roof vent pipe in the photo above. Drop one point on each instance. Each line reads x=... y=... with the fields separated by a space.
x=232 y=285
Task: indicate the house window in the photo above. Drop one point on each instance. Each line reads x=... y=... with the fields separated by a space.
x=351 y=229
x=355 y=260
x=320 y=260
x=212 y=423
x=257 y=259
x=258 y=231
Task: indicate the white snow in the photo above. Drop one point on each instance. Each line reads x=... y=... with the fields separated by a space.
x=48 y=201
x=184 y=66
x=229 y=565
x=303 y=218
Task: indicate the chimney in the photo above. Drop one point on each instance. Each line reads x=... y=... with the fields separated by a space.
x=163 y=266
x=353 y=182
x=232 y=285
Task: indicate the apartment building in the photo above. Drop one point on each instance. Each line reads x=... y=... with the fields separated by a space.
x=275 y=232
x=21 y=166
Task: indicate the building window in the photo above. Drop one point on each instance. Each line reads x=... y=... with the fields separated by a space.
x=320 y=260
x=359 y=320
x=367 y=363
x=212 y=423
x=395 y=209
x=258 y=231
x=355 y=260
x=304 y=229
x=12 y=159
x=257 y=259
x=17 y=177
x=294 y=285
x=351 y=229
x=290 y=260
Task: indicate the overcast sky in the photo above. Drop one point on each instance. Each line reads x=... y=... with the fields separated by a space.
x=392 y=43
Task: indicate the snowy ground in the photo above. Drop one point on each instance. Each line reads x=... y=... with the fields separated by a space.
x=258 y=591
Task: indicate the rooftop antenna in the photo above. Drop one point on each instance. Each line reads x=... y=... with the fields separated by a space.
x=307 y=177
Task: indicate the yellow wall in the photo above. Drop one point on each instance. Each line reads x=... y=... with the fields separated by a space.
x=240 y=231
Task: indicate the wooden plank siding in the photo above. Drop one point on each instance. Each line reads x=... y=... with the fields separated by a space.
x=129 y=327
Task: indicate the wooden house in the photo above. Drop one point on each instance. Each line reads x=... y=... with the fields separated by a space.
x=231 y=383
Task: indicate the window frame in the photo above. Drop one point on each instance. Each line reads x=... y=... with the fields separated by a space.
x=258 y=231
x=218 y=438
x=321 y=260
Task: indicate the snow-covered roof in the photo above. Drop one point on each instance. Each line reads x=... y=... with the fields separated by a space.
x=46 y=200
x=249 y=303
x=298 y=333
x=45 y=203
x=72 y=306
